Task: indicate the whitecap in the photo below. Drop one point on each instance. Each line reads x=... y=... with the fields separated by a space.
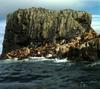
x=60 y=60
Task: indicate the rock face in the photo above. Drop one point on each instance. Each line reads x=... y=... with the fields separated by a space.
x=35 y=27
x=89 y=52
x=32 y=26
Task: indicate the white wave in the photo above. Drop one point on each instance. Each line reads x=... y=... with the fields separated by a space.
x=36 y=59
x=56 y=60
x=94 y=64
x=61 y=60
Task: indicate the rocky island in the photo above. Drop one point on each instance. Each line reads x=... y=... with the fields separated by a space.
x=40 y=32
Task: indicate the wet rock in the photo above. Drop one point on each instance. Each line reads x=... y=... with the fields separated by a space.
x=20 y=53
x=88 y=54
x=87 y=51
x=74 y=54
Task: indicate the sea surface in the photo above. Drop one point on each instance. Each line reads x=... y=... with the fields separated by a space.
x=42 y=73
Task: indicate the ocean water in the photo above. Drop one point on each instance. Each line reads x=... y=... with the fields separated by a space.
x=42 y=73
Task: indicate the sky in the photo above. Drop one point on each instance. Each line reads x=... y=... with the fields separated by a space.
x=2 y=30
x=93 y=6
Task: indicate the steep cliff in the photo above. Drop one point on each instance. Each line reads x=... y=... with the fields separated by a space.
x=33 y=26
x=49 y=33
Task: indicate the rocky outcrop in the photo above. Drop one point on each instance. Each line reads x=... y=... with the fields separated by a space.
x=86 y=51
x=30 y=27
x=47 y=32
x=20 y=53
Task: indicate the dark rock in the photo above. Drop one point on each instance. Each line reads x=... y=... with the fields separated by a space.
x=88 y=52
x=30 y=27
x=65 y=33
x=74 y=54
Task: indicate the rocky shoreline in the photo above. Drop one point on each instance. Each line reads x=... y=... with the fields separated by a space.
x=39 y=32
x=76 y=49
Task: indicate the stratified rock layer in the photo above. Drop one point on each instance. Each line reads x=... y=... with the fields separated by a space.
x=43 y=32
